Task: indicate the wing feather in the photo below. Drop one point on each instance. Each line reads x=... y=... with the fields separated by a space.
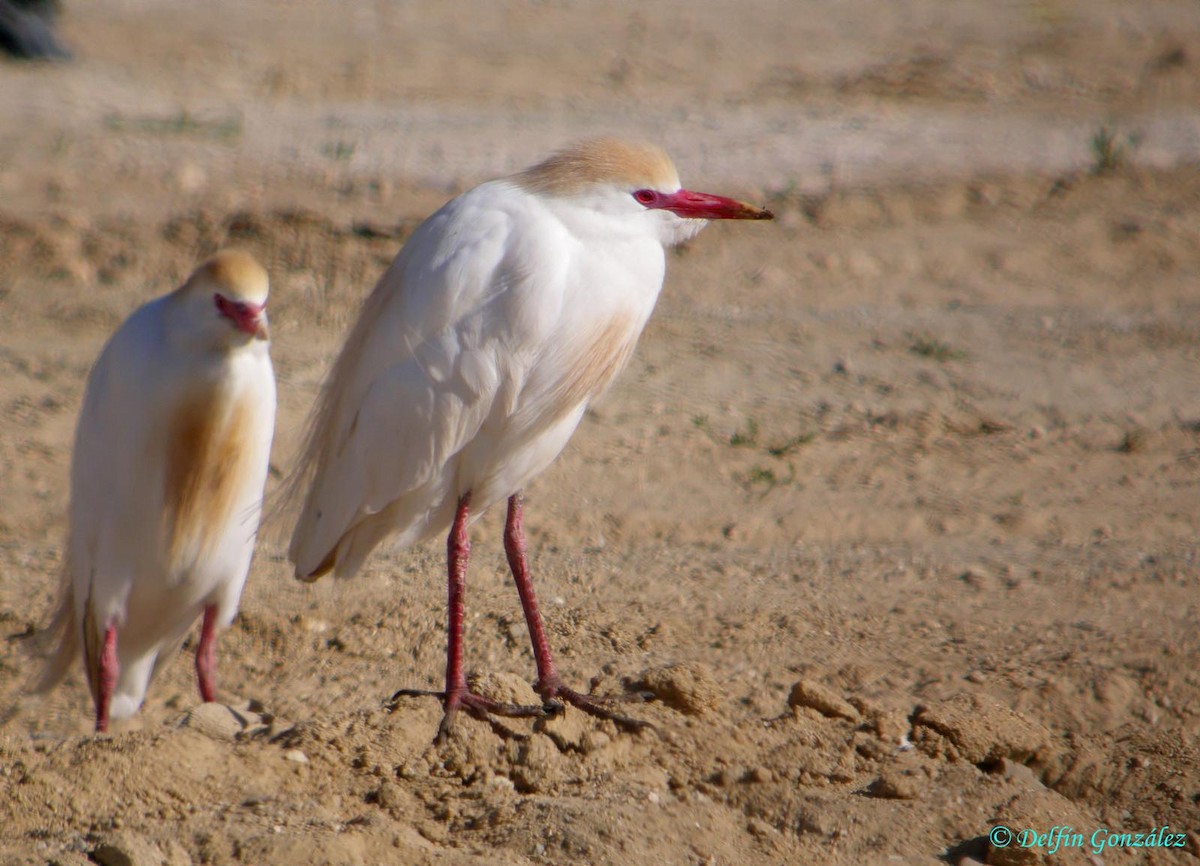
x=441 y=338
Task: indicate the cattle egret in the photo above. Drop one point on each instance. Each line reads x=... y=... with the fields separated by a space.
x=472 y=362
x=167 y=482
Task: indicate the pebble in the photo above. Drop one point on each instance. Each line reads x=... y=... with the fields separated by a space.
x=981 y=729
x=389 y=796
x=131 y=849
x=825 y=701
x=1018 y=772
x=690 y=688
x=761 y=775
x=213 y=720
x=894 y=784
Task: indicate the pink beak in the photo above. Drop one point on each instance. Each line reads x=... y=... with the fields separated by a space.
x=246 y=317
x=705 y=206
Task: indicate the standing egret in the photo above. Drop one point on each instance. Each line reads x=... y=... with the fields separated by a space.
x=472 y=362
x=167 y=481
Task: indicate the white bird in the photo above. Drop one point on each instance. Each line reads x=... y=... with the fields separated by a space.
x=167 y=477
x=473 y=360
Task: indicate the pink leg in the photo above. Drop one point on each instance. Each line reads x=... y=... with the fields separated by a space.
x=458 y=552
x=518 y=563
x=549 y=686
x=457 y=696
x=206 y=656
x=107 y=679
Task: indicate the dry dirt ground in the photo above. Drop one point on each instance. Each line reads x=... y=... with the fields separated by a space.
x=895 y=508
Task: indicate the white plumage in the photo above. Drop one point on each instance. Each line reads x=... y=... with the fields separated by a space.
x=475 y=357
x=167 y=477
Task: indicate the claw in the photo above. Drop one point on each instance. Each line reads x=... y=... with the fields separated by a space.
x=598 y=706
x=479 y=707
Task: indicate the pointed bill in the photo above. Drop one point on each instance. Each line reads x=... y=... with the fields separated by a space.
x=706 y=206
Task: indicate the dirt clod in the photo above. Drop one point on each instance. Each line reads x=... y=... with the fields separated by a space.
x=807 y=693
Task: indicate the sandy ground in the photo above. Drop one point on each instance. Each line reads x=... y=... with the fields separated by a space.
x=895 y=508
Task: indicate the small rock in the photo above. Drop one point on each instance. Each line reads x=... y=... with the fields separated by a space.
x=505 y=687
x=389 y=795
x=213 y=720
x=316 y=626
x=760 y=775
x=1015 y=771
x=896 y=784
x=688 y=687
x=248 y=718
x=127 y=849
x=296 y=756
x=891 y=726
x=982 y=730
x=825 y=701
x=727 y=777
x=817 y=819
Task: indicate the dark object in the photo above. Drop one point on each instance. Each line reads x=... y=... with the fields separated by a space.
x=27 y=30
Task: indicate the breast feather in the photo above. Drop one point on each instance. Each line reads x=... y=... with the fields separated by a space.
x=209 y=453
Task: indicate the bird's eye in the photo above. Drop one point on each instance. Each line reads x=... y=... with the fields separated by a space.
x=645 y=196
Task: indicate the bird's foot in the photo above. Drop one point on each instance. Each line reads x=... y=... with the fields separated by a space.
x=556 y=694
x=478 y=706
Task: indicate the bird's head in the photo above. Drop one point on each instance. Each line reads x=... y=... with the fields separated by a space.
x=229 y=293
x=634 y=185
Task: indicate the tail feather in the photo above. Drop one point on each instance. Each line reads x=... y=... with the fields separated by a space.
x=323 y=567
x=299 y=488
x=63 y=633
x=93 y=646
x=347 y=554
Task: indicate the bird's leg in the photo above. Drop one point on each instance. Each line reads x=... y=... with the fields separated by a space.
x=106 y=679
x=457 y=696
x=549 y=686
x=458 y=552
x=206 y=654
x=518 y=563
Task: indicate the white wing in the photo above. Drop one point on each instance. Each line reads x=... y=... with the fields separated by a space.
x=470 y=352
x=435 y=345
x=114 y=500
